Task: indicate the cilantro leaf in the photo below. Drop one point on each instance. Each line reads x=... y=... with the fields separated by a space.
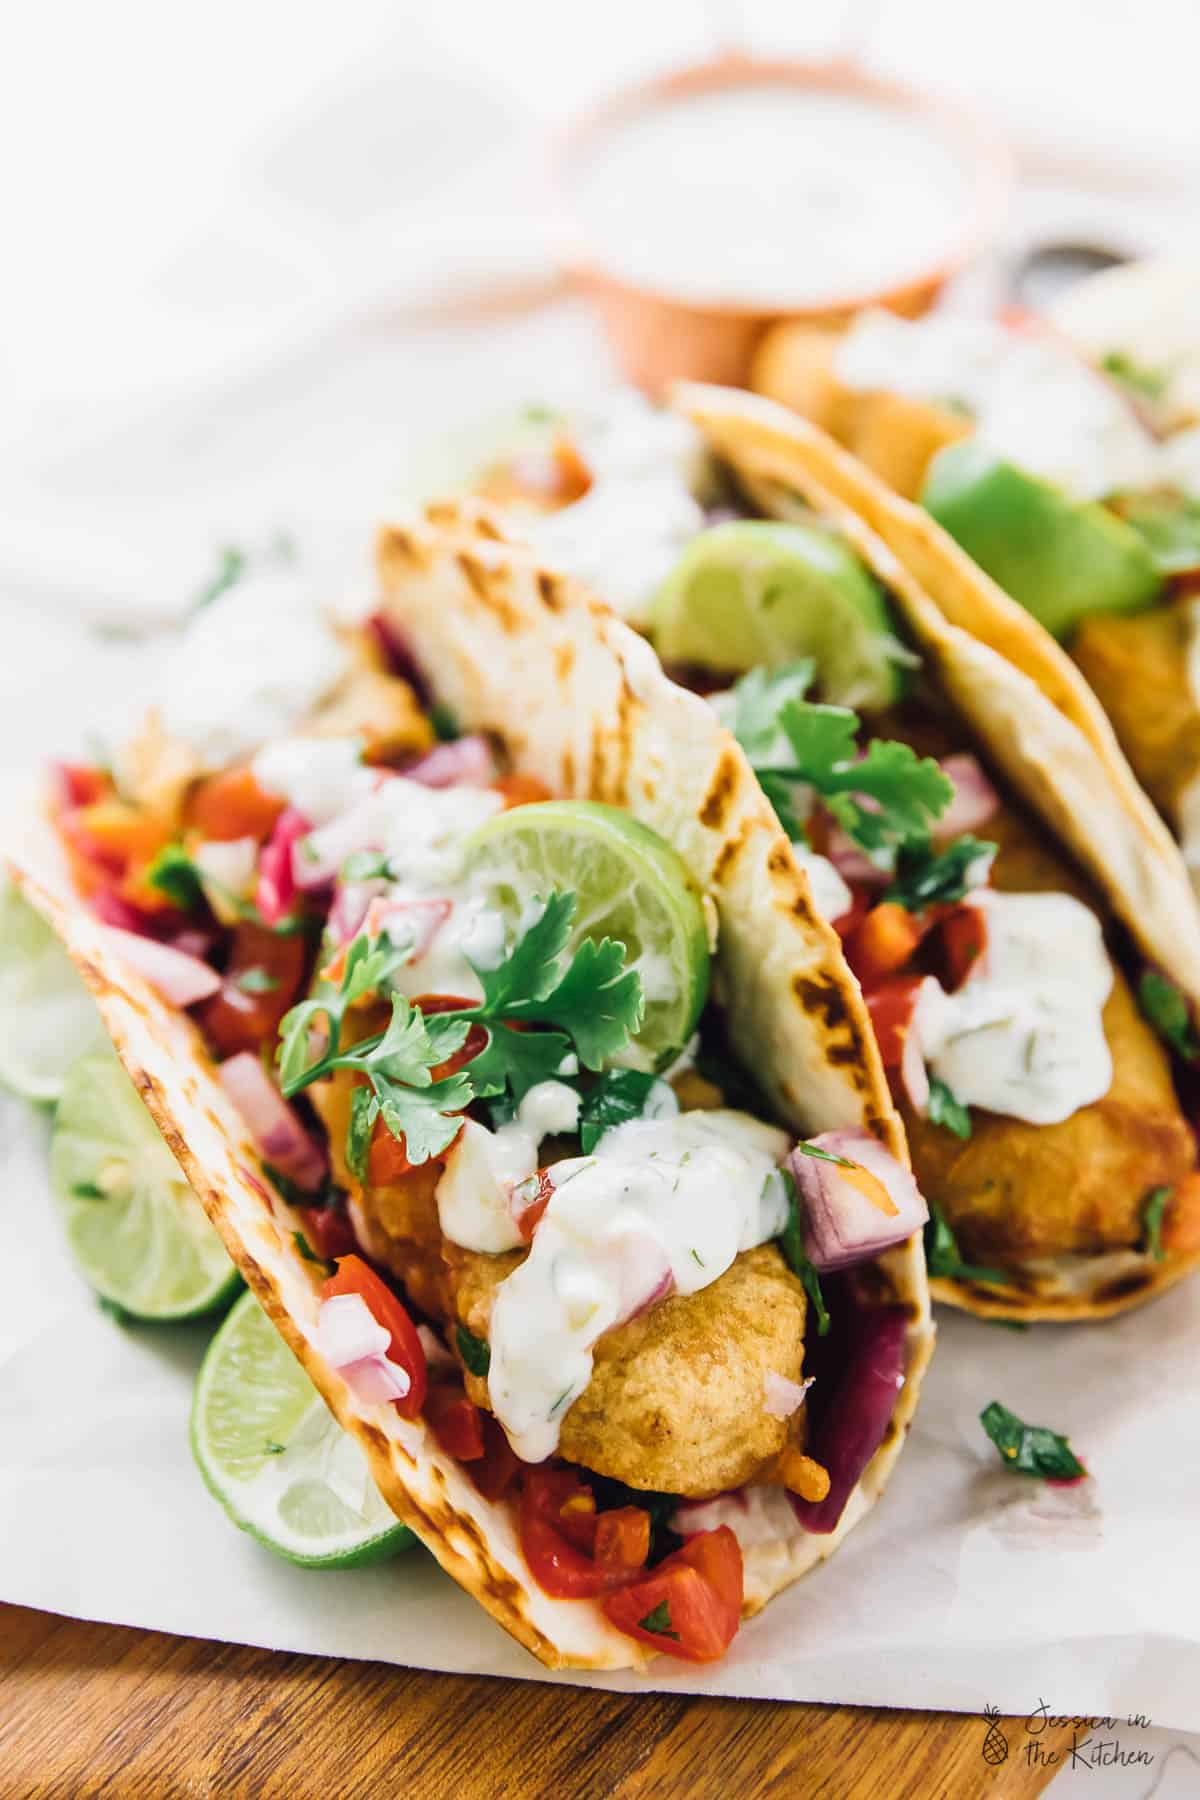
x=1152 y=1221
x=946 y=1110
x=598 y=1002
x=942 y=1254
x=756 y=703
x=512 y=1062
x=530 y=970
x=364 y=865
x=908 y=791
x=928 y=877
x=780 y=789
x=364 y=1110
x=309 y=1254
x=659 y=1622
x=174 y=874
x=618 y=1096
x=445 y=726
x=426 y=1118
x=1030 y=1449
x=791 y=1243
x=229 y=571
x=328 y=1195
x=475 y=1351
x=1167 y=1010
x=1140 y=378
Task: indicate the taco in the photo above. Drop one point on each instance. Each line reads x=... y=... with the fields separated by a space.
x=1064 y=456
x=967 y=823
x=523 y=1191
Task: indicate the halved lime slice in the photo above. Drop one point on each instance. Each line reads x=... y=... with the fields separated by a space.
x=753 y=593
x=629 y=885
x=47 y=1016
x=137 y=1231
x=275 y=1457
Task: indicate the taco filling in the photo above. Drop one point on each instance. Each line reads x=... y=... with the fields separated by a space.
x=469 y=1029
x=1039 y=1099
x=1075 y=484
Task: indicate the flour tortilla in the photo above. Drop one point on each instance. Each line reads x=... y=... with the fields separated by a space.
x=516 y=649
x=1023 y=700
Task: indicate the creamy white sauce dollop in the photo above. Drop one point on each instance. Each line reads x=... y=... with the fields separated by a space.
x=474 y=1195
x=626 y=534
x=1033 y=400
x=1024 y=1034
x=661 y=1203
x=249 y=667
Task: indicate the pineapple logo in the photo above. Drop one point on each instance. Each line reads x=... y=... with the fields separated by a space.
x=995 y=1744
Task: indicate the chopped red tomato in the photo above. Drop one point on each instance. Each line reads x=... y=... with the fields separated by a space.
x=961 y=940
x=354 y=1276
x=549 y=1536
x=232 y=805
x=539 y=1188
x=521 y=790
x=883 y=942
x=329 y=1232
x=691 y=1604
x=622 y=1538
x=500 y=1465
x=455 y=1422
x=79 y=784
x=245 y=1013
x=891 y=1008
x=847 y=923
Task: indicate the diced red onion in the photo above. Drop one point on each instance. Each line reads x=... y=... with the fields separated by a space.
x=974 y=802
x=415 y=922
x=272 y=1123
x=782 y=1397
x=352 y=1342
x=851 y=863
x=350 y=902
x=858 y=1411
x=193 y=940
x=317 y=858
x=436 y=1354
x=843 y=1226
x=111 y=909
x=397 y=651
x=467 y=762
x=276 y=887
x=179 y=979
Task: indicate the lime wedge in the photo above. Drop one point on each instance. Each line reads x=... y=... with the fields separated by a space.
x=47 y=1016
x=751 y=594
x=628 y=884
x=138 y=1234
x=275 y=1457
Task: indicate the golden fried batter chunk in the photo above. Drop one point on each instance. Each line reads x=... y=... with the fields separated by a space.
x=1138 y=668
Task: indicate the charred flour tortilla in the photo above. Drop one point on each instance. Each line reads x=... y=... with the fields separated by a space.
x=1024 y=702
x=576 y=699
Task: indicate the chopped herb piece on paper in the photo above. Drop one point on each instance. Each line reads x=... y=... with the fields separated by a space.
x=1030 y=1449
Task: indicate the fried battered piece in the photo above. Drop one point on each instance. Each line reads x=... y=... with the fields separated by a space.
x=1014 y=1190
x=1138 y=668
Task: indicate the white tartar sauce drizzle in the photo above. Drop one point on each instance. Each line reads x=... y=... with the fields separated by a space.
x=1032 y=399
x=661 y=1203
x=1024 y=1034
x=249 y=667
x=483 y=1167
x=626 y=534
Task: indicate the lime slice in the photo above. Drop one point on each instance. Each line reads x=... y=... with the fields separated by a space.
x=275 y=1457
x=47 y=1016
x=137 y=1231
x=628 y=884
x=751 y=594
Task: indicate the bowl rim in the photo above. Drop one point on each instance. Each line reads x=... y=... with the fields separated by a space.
x=988 y=157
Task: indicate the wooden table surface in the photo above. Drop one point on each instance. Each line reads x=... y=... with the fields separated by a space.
x=101 y=1710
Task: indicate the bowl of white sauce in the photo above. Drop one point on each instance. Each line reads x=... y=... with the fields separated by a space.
x=705 y=204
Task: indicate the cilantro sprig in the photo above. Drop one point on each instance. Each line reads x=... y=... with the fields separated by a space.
x=1030 y=1449
x=947 y=1110
x=1153 y=1211
x=1167 y=1010
x=928 y=877
x=943 y=1258
x=618 y=1096
x=791 y=1242
x=586 y=1005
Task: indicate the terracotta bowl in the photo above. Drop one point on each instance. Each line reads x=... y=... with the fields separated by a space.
x=660 y=337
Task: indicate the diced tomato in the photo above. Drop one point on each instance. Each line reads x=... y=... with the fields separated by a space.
x=549 y=477
x=622 y=1538
x=79 y=784
x=329 y=1232
x=883 y=942
x=236 y=1019
x=540 y=1187
x=354 y=1276
x=847 y=923
x=694 y=1599
x=521 y=790
x=577 y=1520
x=124 y=833
x=961 y=939
x=495 y=1474
x=1181 y=1221
x=455 y=1422
x=557 y=1565
x=891 y=1008
x=232 y=805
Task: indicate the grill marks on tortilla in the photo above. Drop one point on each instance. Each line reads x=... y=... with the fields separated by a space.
x=722 y=792
x=490 y=588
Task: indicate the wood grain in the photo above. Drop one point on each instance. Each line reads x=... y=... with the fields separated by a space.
x=98 y=1710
